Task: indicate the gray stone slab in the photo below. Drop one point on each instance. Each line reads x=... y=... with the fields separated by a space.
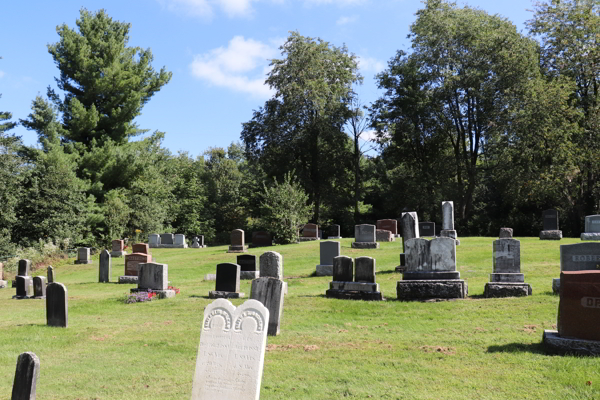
x=343 y=269
x=354 y=286
x=354 y=295
x=26 y=375
x=448 y=233
x=590 y=236
x=228 y=278
x=270 y=292
x=271 y=264
x=556 y=285
x=506 y=233
x=384 y=236
x=153 y=239
x=592 y=224
x=506 y=256
x=580 y=256
x=555 y=344
x=551 y=235
x=447 y=215
x=83 y=256
x=153 y=276
x=424 y=255
x=324 y=270
x=167 y=238
x=427 y=275
x=104 y=267
x=507 y=278
x=231 y=352
x=179 y=240
x=24 y=268
x=128 y=279
x=57 y=305
x=364 y=233
x=364 y=269
x=550 y=220
x=249 y=275
x=328 y=250
x=39 y=287
x=497 y=290
x=219 y=294
x=364 y=245
x=431 y=289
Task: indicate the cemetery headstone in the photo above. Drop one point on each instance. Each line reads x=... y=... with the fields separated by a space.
x=343 y=269
x=24 y=287
x=550 y=230
x=310 y=232
x=261 y=239
x=362 y=287
x=364 y=269
x=142 y=248
x=153 y=240
x=334 y=232
x=57 y=305
x=365 y=237
x=180 y=241
x=328 y=251
x=104 y=267
x=167 y=238
x=132 y=262
x=3 y=283
x=39 y=287
x=231 y=351
x=26 y=375
x=247 y=263
x=448 y=221
x=50 y=274
x=83 y=256
x=118 y=248
x=592 y=228
x=409 y=227
x=227 y=283
x=24 y=267
x=154 y=277
x=271 y=264
x=238 y=244
x=270 y=292
x=431 y=271
x=506 y=279
x=578 y=257
x=427 y=229
x=383 y=236
x=388 y=225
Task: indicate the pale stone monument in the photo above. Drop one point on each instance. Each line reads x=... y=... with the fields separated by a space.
x=271 y=265
x=507 y=279
x=231 y=352
x=364 y=237
x=328 y=251
x=448 y=221
x=592 y=228
x=83 y=256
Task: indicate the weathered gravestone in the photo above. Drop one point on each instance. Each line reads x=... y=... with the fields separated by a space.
x=365 y=237
x=309 y=232
x=132 y=262
x=26 y=375
x=83 y=256
x=24 y=287
x=142 y=248
x=231 y=351
x=507 y=279
x=57 y=305
x=388 y=225
x=592 y=228
x=427 y=229
x=118 y=248
x=50 y=274
x=328 y=251
x=354 y=281
x=578 y=326
x=104 y=267
x=431 y=271
x=154 y=277
x=39 y=287
x=383 y=236
x=238 y=244
x=24 y=268
x=247 y=263
x=448 y=221
x=550 y=226
x=180 y=241
x=409 y=227
x=153 y=240
x=167 y=238
x=270 y=292
x=261 y=239
x=271 y=265
x=578 y=257
x=334 y=232
x=227 y=284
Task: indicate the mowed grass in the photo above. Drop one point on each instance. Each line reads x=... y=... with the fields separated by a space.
x=328 y=349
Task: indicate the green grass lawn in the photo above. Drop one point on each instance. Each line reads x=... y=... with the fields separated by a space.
x=328 y=349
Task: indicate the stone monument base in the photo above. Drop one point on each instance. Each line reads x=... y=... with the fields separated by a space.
x=507 y=277
x=307 y=239
x=237 y=249
x=354 y=291
x=83 y=261
x=219 y=294
x=118 y=253
x=324 y=270
x=3 y=284
x=128 y=279
x=556 y=285
x=161 y=294
x=365 y=245
x=550 y=235
x=429 y=275
x=168 y=246
x=504 y=289
x=432 y=289
x=553 y=343
x=249 y=275
x=590 y=236
x=334 y=237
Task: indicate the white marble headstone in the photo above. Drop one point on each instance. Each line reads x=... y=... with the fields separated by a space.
x=231 y=352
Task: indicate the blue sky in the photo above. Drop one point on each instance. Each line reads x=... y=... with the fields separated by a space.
x=218 y=51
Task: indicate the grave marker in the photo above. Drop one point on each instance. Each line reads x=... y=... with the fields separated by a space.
x=24 y=287
x=247 y=263
x=39 y=287
x=506 y=279
x=83 y=256
x=142 y=248
x=365 y=237
x=592 y=228
x=26 y=375
x=270 y=292
x=24 y=267
x=50 y=274
x=118 y=248
x=237 y=242
x=261 y=239
x=328 y=250
x=309 y=232
x=550 y=224
x=227 y=284
x=427 y=229
x=57 y=305
x=388 y=225
x=334 y=232
x=104 y=267
x=362 y=287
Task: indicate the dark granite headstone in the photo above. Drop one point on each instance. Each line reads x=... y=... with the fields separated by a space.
x=247 y=262
x=50 y=274
x=334 y=231
x=26 y=374
x=228 y=278
x=579 y=306
x=57 y=306
x=167 y=238
x=427 y=229
x=364 y=269
x=24 y=268
x=261 y=239
x=39 y=287
x=550 y=218
x=104 y=267
x=343 y=269
x=23 y=287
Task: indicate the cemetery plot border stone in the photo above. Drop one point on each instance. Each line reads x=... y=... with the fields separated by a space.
x=118 y=248
x=26 y=375
x=39 y=287
x=83 y=256
x=592 y=228
x=24 y=287
x=57 y=305
x=238 y=244
x=231 y=352
x=328 y=250
x=309 y=232
x=550 y=226
x=270 y=292
x=227 y=284
x=577 y=257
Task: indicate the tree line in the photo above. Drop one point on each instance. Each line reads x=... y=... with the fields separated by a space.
x=503 y=123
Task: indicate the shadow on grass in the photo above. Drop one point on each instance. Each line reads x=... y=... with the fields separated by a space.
x=312 y=295
x=534 y=348
x=391 y=271
x=195 y=296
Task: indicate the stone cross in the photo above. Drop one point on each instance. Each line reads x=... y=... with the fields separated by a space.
x=26 y=375
x=270 y=292
x=231 y=352
x=105 y=267
x=57 y=305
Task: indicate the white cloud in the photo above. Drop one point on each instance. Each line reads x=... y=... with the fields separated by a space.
x=346 y=20
x=205 y=8
x=1 y=74
x=370 y=64
x=368 y=136
x=241 y=66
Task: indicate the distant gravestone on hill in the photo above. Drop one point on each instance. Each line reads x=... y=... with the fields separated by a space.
x=26 y=375
x=24 y=287
x=365 y=237
x=83 y=256
x=142 y=248
x=261 y=239
x=231 y=352
x=309 y=232
x=409 y=228
x=238 y=243
x=550 y=224
x=334 y=232
x=39 y=287
x=50 y=274
x=24 y=268
x=247 y=263
x=448 y=221
x=388 y=225
x=118 y=248
x=382 y=235
x=507 y=279
x=592 y=228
